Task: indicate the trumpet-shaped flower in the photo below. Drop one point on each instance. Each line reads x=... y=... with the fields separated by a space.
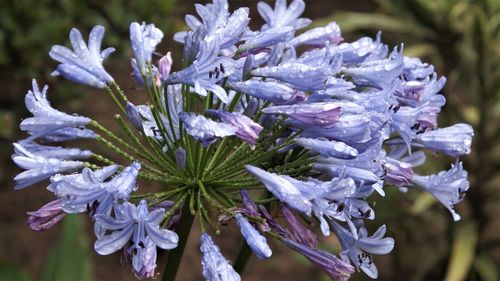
x=363 y=49
x=302 y=76
x=205 y=130
x=84 y=64
x=39 y=168
x=267 y=38
x=453 y=141
x=283 y=15
x=215 y=266
x=379 y=73
x=89 y=189
x=319 y=36
x=45 y=118
x=144 y=259
x=358 y=247
x=244 y=127
x=144 y=39
x=448 y=187
x=267 y=90
x=415 y=69
x=206 y=71
x=324 y=115
x=133 y=224
x=68 y=134
x=57 y=152
x=283 y=189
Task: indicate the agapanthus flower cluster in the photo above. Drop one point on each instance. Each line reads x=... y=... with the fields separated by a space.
x=263 y=128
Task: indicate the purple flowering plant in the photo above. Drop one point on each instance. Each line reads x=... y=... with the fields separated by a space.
x=252 y=130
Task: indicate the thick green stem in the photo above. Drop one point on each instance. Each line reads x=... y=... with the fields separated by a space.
x=175 y=256
x=242 y=259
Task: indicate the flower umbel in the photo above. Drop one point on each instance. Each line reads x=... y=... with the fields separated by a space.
x=264 y=128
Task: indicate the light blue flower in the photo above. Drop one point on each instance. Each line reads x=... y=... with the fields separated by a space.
x=39 y=168
x=337 y=168
x=144 y=259
x=425 y=91
x=433 y=87
x=379 y=73
x=351 y=128
x=215 y=266
x=152 y=79
x=206 y=71
x=365 y=169
x=336 y=149
x=83 y=64
x=254 y=239
x=282 y=188
x=302 y=76
x=45 y=151
x=267 y=38
x=448 y=187
x=363 y=49
x=319 y=36
x=334 y=199
x=45 y=118
x=134 y=116
x=324 y=115
x=217 y=23
x=149 y=125
x=244 y=128
x=411 y=121
x=274 y=92
x=358 y=247
x=410 y=92
x=78 y=179
x=453 y=141
x=134 y=224
x=91 y=189
x=415 y=69
x=282 y=15
x=68 y=134
x=205 y=130
x=144 y=39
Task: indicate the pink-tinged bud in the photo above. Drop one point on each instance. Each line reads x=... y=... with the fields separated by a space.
x=47 y=216
x=336 y=268
x=298 y=231
x=164 y=66
x=397 y=173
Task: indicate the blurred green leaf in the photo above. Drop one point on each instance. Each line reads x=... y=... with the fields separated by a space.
x=471 y=113
x=70 y=259
x=422 y=203
x=420 y=50
x=462 y=252
x=11 y=273
x=355 y=21
x=486 y=267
